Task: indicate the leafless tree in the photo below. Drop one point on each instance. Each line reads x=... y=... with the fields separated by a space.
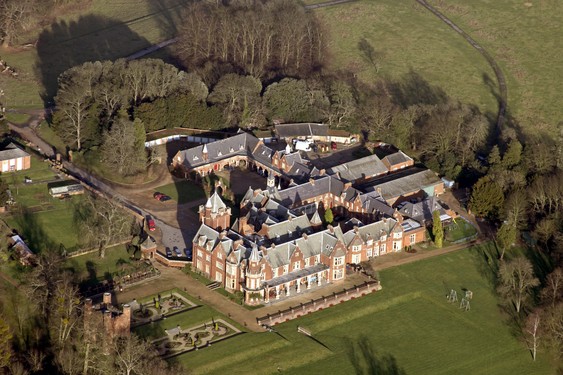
x=553 y=289
x=533 y=332
x=15 y=16
x=101 y=221
x=516 y=281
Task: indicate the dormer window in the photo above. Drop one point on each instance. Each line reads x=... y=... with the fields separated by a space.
x=232 y=150
x=219 y=153
x=195 y=157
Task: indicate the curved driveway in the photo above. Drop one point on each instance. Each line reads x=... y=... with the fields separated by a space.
x=503 y=91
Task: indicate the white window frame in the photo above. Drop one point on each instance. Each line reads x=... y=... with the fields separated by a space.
x=296 y=265
x=338 y=261
x=413 y=239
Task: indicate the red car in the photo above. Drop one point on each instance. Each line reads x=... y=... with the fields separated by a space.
x=151 y=224
x=161 y=197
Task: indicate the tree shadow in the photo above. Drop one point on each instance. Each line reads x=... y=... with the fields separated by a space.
x=366 y=360
x=168 y=14
x=413 y=89
x=92 y=273
x=32 y=231
x=65 y=44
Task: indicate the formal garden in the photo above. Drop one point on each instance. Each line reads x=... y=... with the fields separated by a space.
x=176 y=324
x=409 y=327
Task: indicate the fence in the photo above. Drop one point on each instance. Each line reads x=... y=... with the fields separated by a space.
x=319 y=303
x=121 y=282
x=170 y=263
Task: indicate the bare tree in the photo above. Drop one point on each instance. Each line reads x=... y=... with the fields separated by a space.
x=132 y=355
x=101 y=221
x=516 y=281
x=533 y=333
x=14 y=18
x=553 y=290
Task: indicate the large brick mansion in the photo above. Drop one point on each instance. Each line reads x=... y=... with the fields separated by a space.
x=278 y=245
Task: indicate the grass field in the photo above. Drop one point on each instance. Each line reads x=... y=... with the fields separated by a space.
x=522 y=36
x=92 y=267
x=182 y=191
x=104 y=30
x=407 y=326
x=525 y=39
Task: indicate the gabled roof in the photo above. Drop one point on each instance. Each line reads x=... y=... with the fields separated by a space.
x=421 y=211
x=240 y=144
x=11 y=151
x=406 y=184
x=364 y=168
x=301 y=130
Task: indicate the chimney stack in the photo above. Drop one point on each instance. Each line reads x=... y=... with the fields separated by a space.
x=107 y=299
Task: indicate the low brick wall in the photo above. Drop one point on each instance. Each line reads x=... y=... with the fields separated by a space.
x=169 y=262
x=319 y=303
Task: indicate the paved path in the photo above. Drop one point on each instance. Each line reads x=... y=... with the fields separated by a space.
x=503 y=91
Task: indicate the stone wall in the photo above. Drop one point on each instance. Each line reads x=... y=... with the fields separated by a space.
x=319 y=303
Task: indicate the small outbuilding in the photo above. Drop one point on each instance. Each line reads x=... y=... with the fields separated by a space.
x=65 y=188
x=13 y=158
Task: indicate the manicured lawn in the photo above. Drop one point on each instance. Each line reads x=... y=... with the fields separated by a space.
x=409 y=323
x=190 y=318
x=182 y=191
x=49 y=136
x=459 y=229
x=92 y=267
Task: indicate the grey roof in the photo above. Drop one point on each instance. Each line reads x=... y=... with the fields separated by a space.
x=406 y=184
x=367 y=167
x=299 y=171
x=11 y=151
x=301 y=130
x=421 y=211
x=294 y=157
x=397 y=158
x=215 y=203
x=288 y=229
x=240 y=144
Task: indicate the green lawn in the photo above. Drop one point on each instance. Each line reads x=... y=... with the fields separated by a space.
x=100 y=30
x=17 y=118
x=182 y=191
x=93 y=268
x=405 y=38
x=186 y=319
x=409 y=324
x=460 y=229
x=524 y=37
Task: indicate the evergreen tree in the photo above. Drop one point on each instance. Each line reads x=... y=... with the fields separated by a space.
x=494 y=158
x=487 y=198
x=437 y=230
x=513 y=154
x=506 y=236
x=329 y=217
x=5 y=344
x=3 y=192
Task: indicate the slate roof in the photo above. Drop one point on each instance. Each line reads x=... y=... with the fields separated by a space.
x=240 y=144
x=367 y=167
x=406 y=184
x=301 y=130
x=288 y=229
x=421 y=211
x=397 y=158
x=11 y=151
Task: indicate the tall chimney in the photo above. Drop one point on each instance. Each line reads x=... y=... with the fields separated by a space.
x=107 y=299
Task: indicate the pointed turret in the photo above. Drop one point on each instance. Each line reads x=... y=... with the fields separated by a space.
x=316 y=221
x=215 y=213
x=288 y=149
x=271 y=182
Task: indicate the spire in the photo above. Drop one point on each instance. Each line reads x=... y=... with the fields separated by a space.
x=204 y=148
x=254 y=255
x=316 y=219
x=287 y=149
x=215 y=202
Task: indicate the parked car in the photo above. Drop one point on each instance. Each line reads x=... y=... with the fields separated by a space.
x=161 y=197
x=150 y=224
x=168 y=252
x=188 y=253
x=333 y=145
x=177 y=251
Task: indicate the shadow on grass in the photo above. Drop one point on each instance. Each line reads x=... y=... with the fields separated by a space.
x=367 y=361
x=32 y=231
x=65 y=44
